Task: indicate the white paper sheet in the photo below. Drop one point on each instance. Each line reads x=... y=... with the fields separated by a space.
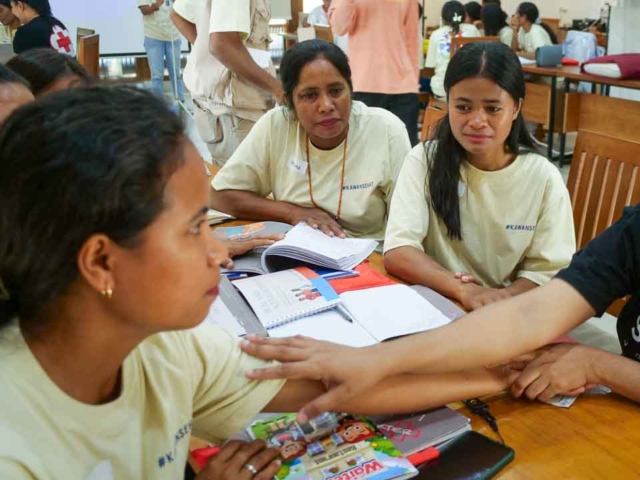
x=392 y=311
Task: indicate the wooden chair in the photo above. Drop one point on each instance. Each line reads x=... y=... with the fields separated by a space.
x=554 y=24
x=604 y=178
x=458 y=42
x=323 y=32
x=83 y=32
x=89 y=54
x=432 y=117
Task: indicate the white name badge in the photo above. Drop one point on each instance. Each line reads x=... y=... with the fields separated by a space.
x=298 y=166
x=462 y=188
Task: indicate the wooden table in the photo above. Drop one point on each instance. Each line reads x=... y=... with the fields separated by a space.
x=598 y=437
x=572 y=75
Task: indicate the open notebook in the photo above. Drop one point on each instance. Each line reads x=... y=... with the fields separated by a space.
x=283 y=297
x=379 y=314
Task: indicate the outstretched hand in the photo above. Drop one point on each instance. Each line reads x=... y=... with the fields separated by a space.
x=318 y=219
x=240 y=246
x=346 y=372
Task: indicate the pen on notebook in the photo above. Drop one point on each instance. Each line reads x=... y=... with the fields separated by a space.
x=345 y=313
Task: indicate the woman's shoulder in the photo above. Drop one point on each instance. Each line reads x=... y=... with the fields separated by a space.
x=469 y=30
x=540 y=167
x=440 y=32
x=367 y=118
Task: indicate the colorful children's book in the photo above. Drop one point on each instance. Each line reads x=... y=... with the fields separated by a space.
x=332 y=447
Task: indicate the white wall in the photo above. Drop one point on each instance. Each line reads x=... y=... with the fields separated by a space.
x=624 y=38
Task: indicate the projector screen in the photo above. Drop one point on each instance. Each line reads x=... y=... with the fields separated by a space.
x=119 y=23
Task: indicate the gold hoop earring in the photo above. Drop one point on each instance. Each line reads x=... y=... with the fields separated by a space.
x=107 y=293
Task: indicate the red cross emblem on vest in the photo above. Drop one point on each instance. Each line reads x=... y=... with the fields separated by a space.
x=60 y=40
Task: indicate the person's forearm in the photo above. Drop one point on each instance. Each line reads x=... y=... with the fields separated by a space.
x=250 y=206
x=232 y=53
x=620 y=374
x=342 y=16
x=147 y=10
x=521 y=285
x=416 y=267
x=185 y=27
x=398 y=394
x=491 y=335
x=529 y=56
x=515 y=44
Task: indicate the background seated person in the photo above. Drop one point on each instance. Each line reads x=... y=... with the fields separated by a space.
x=328 y=161
x=9 y=22
x=14 y=92
x=529 y=34
x=100 y=364
x=439 y=52
x=495 y=23
x=49 y=71
x=478 y=215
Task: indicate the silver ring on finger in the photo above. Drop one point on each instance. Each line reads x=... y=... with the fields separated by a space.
x=251 y=468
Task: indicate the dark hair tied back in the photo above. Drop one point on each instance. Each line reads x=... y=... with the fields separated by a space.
x=445 y=156
x=453 y=14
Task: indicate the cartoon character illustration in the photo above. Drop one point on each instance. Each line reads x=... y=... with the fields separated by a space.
x=292 y=450
x=307 y=293
x=354 y=431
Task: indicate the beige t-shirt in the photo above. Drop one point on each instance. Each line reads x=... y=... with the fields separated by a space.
x=272 y=159
x=158 y=25
x=174 y=385
x=213 y=86
x=506 y=35
x=439 y=53
x=7 y=34
x=533 y=39
x=516 y=222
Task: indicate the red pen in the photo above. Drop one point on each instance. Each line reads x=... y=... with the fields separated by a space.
x=202 y=455
x=423 y=456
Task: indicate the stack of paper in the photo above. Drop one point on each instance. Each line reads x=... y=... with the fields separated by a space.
x=309 y=245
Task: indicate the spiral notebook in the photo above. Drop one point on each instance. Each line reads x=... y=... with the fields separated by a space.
x=283 y=297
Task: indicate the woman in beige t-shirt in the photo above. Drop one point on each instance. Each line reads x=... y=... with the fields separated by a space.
x=477 y=214
x=327 y=161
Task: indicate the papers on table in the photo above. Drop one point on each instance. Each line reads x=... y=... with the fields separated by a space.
x=309 y=245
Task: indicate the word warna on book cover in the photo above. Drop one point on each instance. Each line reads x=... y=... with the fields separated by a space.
x=332 y=447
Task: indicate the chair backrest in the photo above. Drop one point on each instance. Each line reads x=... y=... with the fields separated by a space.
x=604 y=178
x=323 y=32
x=458 y=42
x=89 y=54
x=83 y=32
x=435 y=111
x=553 y=23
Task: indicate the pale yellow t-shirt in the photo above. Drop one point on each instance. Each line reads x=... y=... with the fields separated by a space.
x=533 y=39
x=158 y=25
x=272 y=159
x=516 y=222
x=174 y=385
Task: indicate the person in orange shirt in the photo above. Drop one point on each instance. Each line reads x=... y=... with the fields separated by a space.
x=383 y=53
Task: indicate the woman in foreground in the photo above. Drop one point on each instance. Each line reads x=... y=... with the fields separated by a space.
x=107 y=265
